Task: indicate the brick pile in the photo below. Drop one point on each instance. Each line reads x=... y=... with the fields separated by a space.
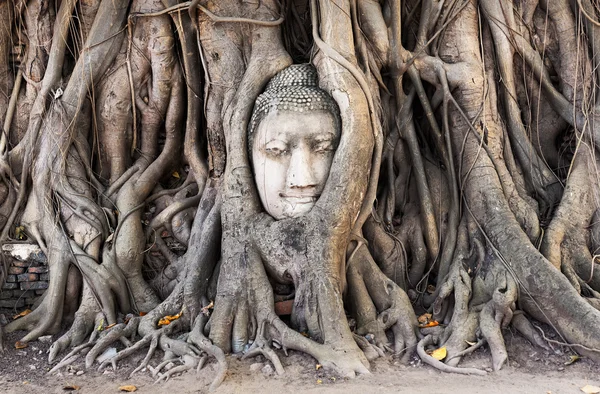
x=27 y=277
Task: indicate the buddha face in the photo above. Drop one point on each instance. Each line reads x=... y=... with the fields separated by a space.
x=291 y=155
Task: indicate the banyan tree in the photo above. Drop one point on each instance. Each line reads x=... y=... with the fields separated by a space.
x=253 y=176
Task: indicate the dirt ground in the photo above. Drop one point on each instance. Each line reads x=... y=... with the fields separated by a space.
x=529 y=370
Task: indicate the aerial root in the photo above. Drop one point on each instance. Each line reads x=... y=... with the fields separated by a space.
x=198 y=339
x=524 y=326
x=371 y=351
x=262 y=346
x=72 y=356
x=427 y=359
x=189 y=362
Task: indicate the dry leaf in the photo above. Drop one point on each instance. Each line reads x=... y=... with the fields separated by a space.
x=24 y=313
x=20 y=345
x=572 y=359
x=589 y=389
x=20 y=232
x=319 y=381
x=430 y=289
x=471 y=343
x=424 y=318
x=318 y=366
x=71 y=387
x=439 y=354
x=168 y=319
x=129 y=388
x=175 y=174
x=432 y=323
x=143 y=313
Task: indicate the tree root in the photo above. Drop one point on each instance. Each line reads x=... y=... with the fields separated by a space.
x=428 y=341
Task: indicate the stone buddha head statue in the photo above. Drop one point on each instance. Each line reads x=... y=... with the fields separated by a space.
x=292 y=137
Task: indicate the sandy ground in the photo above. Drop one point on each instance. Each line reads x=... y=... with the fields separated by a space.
x=530 y=370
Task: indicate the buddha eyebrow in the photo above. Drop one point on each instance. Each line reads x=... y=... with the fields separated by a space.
x=326 y=137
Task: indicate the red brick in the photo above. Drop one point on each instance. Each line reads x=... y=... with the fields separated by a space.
x=38 y=270
x=15 y=303
x=284 y=307
x=33 y=285
x=6 y=294
x=27 y=277
x=25 y=264
x=15 y=270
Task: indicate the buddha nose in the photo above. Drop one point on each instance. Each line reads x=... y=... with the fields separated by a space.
x=300 y=173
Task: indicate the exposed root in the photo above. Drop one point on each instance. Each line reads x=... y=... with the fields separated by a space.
x=428 y=341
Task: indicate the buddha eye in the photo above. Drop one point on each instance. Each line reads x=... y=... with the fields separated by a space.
x=323 y=147
x=276 y=150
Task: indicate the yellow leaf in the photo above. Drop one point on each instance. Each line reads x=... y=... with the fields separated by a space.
x=71 y=387
x=101 y=325
x=20 y=345
x=318 y=366
x=588 y=389
x=319 y=381
x=24 y=313
x=439 y=354
x=572 y=359
x=175 y=174
x=168 y=319
x=20 y=232
x=129 y=388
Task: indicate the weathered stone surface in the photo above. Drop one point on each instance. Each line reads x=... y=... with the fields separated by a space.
x=9 y=286
x=33 y=285
x=11 y=278
x=44 y=277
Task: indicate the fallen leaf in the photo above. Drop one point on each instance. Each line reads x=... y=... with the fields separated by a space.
x=589 y=389
x=205 y=310
x=100 y=325
x=430 y=289
x=71 y=387
x=175 y=174
x=20 y=232
x=143 y=313
x=20 y=345
x=424 y=318
x=318 y=366
x=110 y=326
x=129 y=388
x=24 y=313
x=439 y=354
x=168 y=319
x=432 y=323
x=572 y=359
x=319 y=381
x=471 y=343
